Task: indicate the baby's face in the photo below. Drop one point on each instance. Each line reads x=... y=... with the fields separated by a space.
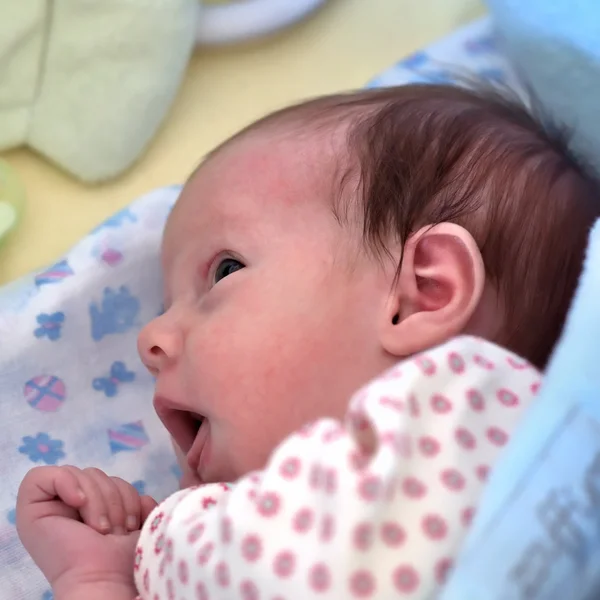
x=271 y=308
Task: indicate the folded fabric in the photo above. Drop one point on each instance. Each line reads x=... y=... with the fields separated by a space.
x=87 y=84
x=556 y=47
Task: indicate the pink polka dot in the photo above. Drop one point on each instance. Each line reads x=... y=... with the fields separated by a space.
x=315 y=477
x=169 y=551
x=467 y=516
x=535 y=387
x=456 y=363
x=483 y=362
x=414 y=410
x=497 y=436
x=290 y=468
x=429 y=446
x=319 y=578
x=137 y=562
x=517 y=364
x=170 y=589
x=392 y=534
x=201 y=592
x=482 y=472
x=401 y=443
x=146 y=580
x=183 y=572
x=465 y=438
x=332 y=434
x=440 y=404
x=226 y=530
x=284 y=564
x=222 y=574
x=208 y=502
x=255 y=477
x=362 y=584
x=251 y=548
x=393 y=403
x=413 y=488
x=358 y=460
x=452 y=479
x=205 y=553
x=434 y=527
x=268 y=504
x=442 y=570
x=327 y=528
x=303 y=520
x=363 y=536
x=360 y=422
x=330 y=477
x=476 y=400
x=249 y=590
x=370 y=488
x=195 y=533
x=507 y=398
x=156 y=521
x=393 y=373
x=406 y=579
x=426 y=365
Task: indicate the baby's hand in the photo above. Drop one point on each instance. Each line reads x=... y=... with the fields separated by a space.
x=80 y=525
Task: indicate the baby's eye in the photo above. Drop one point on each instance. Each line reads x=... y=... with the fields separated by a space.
x=226 y=267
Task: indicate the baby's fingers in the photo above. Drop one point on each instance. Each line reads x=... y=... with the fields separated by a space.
x=43 y=484
x=131 y=501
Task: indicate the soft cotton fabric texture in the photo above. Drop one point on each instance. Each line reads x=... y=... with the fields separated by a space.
x=556 y=46
x=87 y=84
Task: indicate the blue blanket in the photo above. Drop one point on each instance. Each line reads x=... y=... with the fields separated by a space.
x=555 y=45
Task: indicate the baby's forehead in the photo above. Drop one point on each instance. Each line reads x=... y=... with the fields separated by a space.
x=265 y=177
x=272 y=170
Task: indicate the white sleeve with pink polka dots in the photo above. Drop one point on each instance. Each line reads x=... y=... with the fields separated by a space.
x=376 y=506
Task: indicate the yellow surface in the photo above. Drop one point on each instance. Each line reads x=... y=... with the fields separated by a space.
x=340 y=47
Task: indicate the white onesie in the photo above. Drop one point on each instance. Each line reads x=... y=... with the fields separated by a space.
x=376 y=506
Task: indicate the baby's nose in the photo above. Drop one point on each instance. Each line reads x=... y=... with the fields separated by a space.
x=159 y=344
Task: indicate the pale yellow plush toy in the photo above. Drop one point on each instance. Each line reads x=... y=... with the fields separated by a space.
x=86 y=83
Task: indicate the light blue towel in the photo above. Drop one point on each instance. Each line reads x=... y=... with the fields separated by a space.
x=555 y=45
x=537 y=532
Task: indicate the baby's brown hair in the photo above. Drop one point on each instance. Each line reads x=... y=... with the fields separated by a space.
x=426 y=154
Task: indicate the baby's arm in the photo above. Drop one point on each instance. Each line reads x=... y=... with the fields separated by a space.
x=376 y=505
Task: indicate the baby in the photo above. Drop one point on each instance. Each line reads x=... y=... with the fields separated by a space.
x=437 y=226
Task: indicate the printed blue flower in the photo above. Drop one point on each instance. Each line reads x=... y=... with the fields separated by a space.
x=42 y=448
x=47 y=595
x=11 y=516
x=49 y=325
x=140 y=486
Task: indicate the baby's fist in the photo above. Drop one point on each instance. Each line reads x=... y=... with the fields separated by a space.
x=66 y=518
x=107 y=504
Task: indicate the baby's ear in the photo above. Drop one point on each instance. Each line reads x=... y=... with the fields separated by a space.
x=436 y=292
